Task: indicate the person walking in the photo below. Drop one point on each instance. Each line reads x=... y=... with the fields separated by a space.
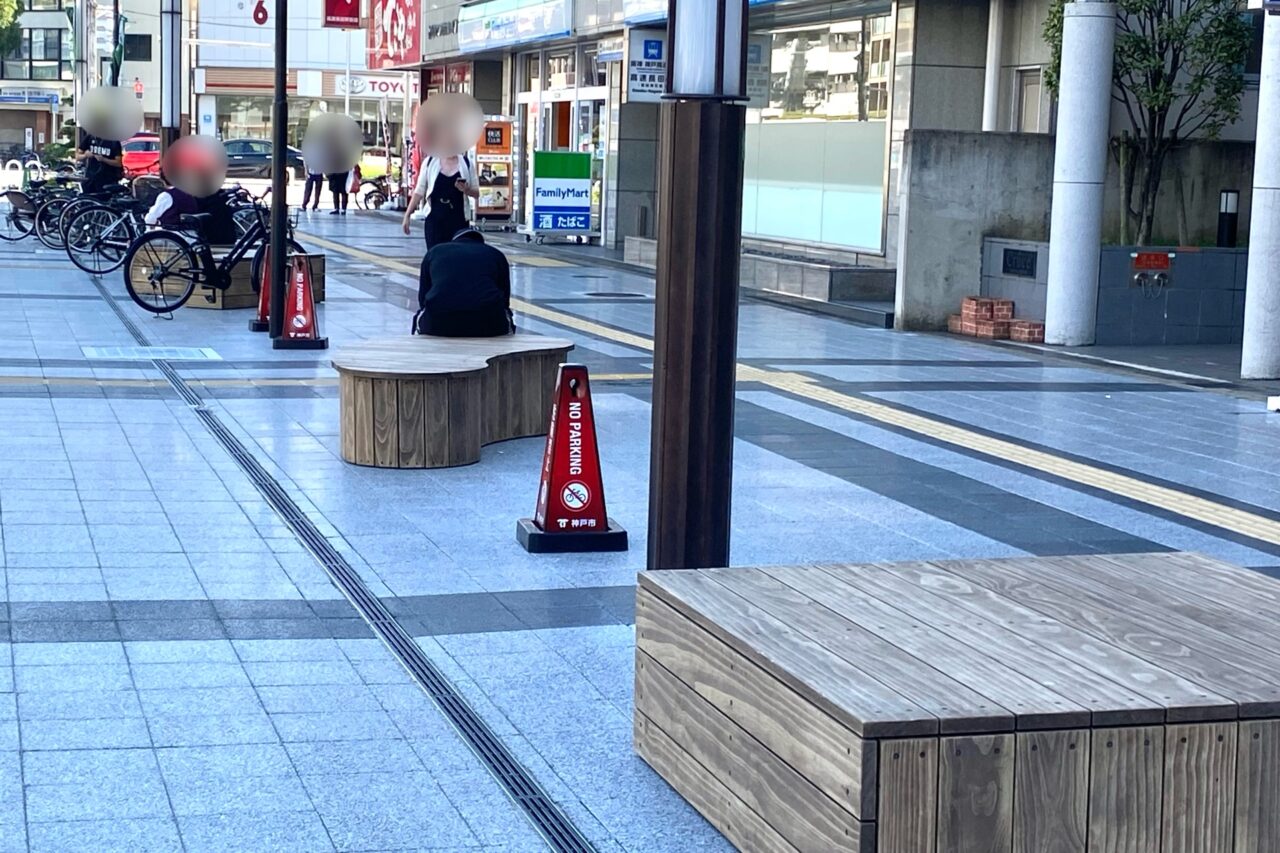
x=315 y=180
x=340 y=187
x=464 y=290
x=447 y=185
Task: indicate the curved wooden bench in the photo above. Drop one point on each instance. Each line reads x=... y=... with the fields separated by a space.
x=423 y=402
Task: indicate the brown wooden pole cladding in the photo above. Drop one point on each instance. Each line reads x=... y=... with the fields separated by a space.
x=695 y=333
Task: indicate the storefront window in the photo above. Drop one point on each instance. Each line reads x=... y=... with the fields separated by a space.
x=531 y=72
x=560 y=69
x=593 y=70
x=816 y=142
x=249 y=117
x=458 y=78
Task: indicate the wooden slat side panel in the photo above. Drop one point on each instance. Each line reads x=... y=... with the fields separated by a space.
x=802 y=814
x=1079 y=683
x=1258 y=787
x=722 y=809
x=386 y=423
x=1179 y=696
x=981 y=670
x=907 y=819
x=436 y=422
x=412 y=434
x=834 y=759
x=822 y=677
x=975 y=794
x=1152 y=636
x=347 y=416
x=362 y=403
x=1051 y=792
x=1126 y=785
x=492 y=427
x=465 y=414
x=1199 y=788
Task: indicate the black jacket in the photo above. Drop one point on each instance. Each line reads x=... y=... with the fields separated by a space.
x=464 y=290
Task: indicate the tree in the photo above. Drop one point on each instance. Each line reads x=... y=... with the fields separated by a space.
x=1178 y=73
x=10 y=32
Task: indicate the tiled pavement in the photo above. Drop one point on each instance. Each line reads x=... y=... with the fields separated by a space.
x=178 y=672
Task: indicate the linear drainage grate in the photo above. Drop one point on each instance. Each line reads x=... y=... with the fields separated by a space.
x=523 y=789
x=559 y=832
x=146 y=353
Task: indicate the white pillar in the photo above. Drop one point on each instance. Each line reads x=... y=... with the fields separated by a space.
x=170 y=70
x=1079 y=170
x=1260 y=358
x=991 y=90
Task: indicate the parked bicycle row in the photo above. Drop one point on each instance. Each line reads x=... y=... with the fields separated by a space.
x=165 y=253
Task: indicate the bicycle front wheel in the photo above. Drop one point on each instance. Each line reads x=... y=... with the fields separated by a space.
x=160 y=272
x=17 y=215
x=97 y=239
x=47 y=230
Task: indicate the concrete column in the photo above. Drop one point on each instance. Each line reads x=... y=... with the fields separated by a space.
x=1079 y=170
x=991 y=82
x=1261 y=356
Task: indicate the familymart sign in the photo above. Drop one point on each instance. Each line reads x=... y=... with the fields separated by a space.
x=561 y=191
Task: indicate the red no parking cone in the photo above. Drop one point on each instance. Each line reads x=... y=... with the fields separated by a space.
x=571 y=516
x=301 y=327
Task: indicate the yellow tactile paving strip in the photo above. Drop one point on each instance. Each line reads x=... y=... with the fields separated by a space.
x=1182 y=503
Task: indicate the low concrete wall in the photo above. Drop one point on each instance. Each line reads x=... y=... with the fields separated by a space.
x=1017 y=270
x=1202 y=302
x=958 y=188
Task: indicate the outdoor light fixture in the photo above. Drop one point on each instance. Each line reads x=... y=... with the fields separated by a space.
x=170 y=68
x=1228 y=219
x=707 y=45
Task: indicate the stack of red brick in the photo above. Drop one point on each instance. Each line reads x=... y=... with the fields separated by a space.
x=984 y=317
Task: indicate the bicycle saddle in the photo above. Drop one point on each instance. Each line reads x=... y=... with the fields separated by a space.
x=196 y=221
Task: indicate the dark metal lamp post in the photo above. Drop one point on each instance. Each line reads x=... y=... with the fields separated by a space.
x=279 y=163
x=696 y=316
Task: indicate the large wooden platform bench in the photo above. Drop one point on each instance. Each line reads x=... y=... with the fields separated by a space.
x=423 y=402
x=1121 y=704
x=241 y=294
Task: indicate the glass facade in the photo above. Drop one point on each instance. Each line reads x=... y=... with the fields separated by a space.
x=249 y=117
x=40 y=55
x=562 y=104
x=817 y=141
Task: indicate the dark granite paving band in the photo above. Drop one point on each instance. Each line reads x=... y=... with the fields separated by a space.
x=1001 y=386
x=279 y=619
x=1112 y=497
x=985 y=509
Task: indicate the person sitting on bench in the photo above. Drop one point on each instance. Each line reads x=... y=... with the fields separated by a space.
x=464 y=290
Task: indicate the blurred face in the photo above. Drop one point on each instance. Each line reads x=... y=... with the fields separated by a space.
x=109 y=112
x=196 y=165
x=449 y=124
x=332 y=144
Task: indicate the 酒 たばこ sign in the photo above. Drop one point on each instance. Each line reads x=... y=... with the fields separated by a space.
x=561 y=191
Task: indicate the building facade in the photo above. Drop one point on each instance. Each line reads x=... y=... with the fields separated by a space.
x=327 y=72
x=835 y=89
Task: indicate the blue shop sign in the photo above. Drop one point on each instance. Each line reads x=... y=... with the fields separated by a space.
x=502 y=23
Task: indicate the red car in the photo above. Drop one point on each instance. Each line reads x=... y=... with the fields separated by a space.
x=142 y=155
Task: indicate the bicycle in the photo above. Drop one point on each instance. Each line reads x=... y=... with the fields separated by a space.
x=98 y=236
x=54 y=233
x=18 y=209
x=162 y=268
